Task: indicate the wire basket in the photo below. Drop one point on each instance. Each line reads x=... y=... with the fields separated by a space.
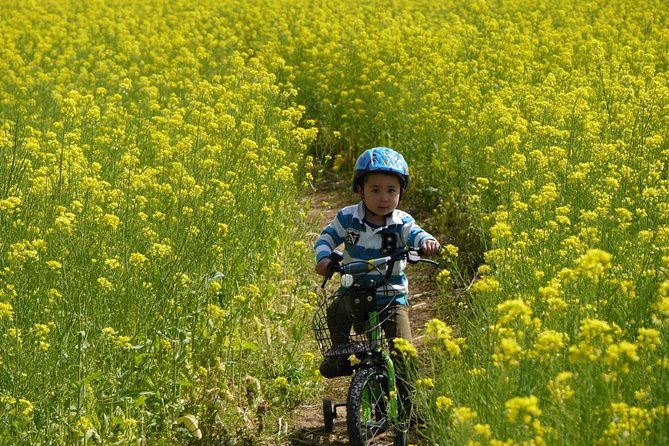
x=342 y=323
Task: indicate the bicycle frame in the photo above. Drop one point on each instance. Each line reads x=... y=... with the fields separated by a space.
x=370 y=361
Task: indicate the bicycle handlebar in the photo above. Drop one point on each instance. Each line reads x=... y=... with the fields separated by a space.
x=360 y=267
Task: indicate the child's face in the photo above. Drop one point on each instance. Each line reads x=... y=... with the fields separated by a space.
x=381 y=192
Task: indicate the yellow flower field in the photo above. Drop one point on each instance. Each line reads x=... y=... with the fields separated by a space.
x=152 y=157
x=149 y=175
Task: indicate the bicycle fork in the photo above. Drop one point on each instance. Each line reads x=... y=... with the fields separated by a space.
x=392 y=399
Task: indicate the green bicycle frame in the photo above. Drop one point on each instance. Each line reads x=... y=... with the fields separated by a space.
x=369 y=396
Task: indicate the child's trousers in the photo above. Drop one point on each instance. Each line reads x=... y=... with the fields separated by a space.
x=340 y=320
x=395 y=324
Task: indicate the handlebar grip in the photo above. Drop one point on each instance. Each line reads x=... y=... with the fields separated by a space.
x=336 y=256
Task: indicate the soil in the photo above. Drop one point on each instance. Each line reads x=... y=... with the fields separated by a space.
x=308 y=426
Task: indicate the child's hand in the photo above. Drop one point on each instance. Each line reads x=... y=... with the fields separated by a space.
x=322 y=266
x=430 y=248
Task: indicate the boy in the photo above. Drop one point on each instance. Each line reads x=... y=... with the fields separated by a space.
x=373 y=228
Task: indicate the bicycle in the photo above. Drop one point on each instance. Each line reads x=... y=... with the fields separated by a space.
x=376 y=411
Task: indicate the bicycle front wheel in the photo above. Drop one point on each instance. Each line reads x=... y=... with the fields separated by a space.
x=366 y=410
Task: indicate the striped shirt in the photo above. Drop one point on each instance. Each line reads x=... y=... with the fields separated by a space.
x=363 y=242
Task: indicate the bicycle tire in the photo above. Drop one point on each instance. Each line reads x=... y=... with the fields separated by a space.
x=401 y=439
x=328 y=415
x=366 y=418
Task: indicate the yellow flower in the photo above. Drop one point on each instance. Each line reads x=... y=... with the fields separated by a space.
x=40 y=330
x=10 y=204
x=425 y=382
x=160 y=250
x=649 y=338
x=444 y=277
x=284 y=174
x=549 y=292
x=486 y=285
x=507 y=351
x=451 y=250
x=593 y=264
x=437 y=328
x=512 y=310
x=443 y=402
x=500 y=231
x=549 y=343
x=405 y=348
x=560 y=388
x=627 y=422
x=123 y=341
x=113 y=263
x=54 y=294
x=65 y=222
x=482 y=183
x=479 y=371
x=621 y=354
x=438 y=333
x=522 y=409
x=138 y=259
x=593 y=335
x=83 y=425
x=109 y=331
x=21 y=252
x=27 y=407
x=484 y=430
x=112 y=221
x=6 y=310
x=54 y=265
x=556 y=304
x=253 y=291
x=215 y=287
x=105 y=284
x=484 y=269
x=463 y=415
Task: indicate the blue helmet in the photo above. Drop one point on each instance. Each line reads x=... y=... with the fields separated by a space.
x=380 y=160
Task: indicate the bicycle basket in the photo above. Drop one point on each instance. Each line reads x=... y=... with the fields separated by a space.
x=351 y=321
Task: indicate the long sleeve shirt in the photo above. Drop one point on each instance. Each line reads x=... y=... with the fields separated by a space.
x=363 y=241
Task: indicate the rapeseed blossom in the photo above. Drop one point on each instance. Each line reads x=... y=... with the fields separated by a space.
x=463 y=415
x=514 y=310
x=621 y=355
x=594 y=336
x=523 y=410
x=138 y=259
x=560 y=388
x=443 y=402
x=593 y=264
x=487 y=284
x=439 y=336
x=6 y=310
x=427 y=383
x=549 y=344
x=507 y=351
x=405 y=348
x=627 y=422
x=648 y=338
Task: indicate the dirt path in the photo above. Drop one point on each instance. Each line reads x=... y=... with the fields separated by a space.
x=308 y=428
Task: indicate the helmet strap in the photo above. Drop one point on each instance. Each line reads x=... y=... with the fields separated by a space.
x=374 y=214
